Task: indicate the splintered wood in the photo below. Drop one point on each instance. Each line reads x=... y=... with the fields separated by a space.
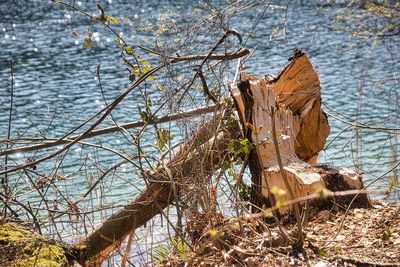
x=291 y=101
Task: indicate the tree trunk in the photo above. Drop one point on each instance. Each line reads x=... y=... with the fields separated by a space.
x=282 y=117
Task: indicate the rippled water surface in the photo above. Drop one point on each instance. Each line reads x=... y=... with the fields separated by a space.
x=56 y=86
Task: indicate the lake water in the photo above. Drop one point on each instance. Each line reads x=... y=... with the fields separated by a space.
x=55 y=84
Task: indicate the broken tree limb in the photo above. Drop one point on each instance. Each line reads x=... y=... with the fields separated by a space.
x=206 y=150
x=55 y=142
x=291 y=101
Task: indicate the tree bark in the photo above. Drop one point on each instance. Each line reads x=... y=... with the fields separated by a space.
x=289 y=107
x=207 y=149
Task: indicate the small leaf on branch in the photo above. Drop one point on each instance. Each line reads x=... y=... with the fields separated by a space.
x=386 y=235
x=268 y=214
x=160 y=87
x=321 y=252
x=103 y=16
x=132 y=77
x=144 y=115
x=129 y=50
x=118 y=40
x=163 y=136
x=87 y=43
x=113 y=20
x=240 y=148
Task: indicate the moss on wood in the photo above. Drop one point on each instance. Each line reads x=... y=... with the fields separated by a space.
x=21 y=247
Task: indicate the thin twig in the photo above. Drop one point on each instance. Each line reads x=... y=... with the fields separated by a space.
x=206 y=89
x=51 y=143
x=4 y=181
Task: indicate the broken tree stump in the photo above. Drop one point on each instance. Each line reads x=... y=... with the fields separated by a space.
x=282 y=118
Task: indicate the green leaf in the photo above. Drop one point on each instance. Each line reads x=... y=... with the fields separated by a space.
x=129 y=50
x=135 y=70
x=245 y=192
x=144 y=115
x=132 y=77
x=148 y=102
x=161 y=253
x=321 y=253
x=228 y=101
x=240 y=148
x=245 y=144
x=324 y=193
x=113 y=20
x=275 y=31
x=225 y=165
x=386 y=235
x=103 y=16
x=160 y=87
x=87 y=43
x=279 y=195
x=338 y=249
x=146 y=64
x=118 y=40
x=163 y=136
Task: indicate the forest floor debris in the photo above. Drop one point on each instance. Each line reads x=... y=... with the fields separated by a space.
x=360 y=237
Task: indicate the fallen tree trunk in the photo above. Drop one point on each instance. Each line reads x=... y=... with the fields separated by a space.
x=282 y=117
x=206 y=150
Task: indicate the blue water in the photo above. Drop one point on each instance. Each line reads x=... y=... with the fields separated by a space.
x=55 y=84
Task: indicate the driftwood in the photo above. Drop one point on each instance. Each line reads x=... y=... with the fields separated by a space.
x=206 y=150
x=282 y=117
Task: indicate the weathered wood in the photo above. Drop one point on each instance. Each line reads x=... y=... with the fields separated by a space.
x=298 y=89
x=292 y=102
x=206 y=150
